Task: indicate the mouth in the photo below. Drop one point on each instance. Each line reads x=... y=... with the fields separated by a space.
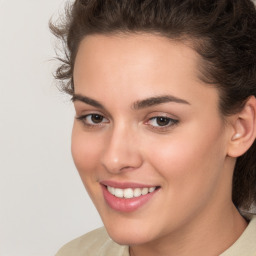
x=127 y=197
x=130 y=192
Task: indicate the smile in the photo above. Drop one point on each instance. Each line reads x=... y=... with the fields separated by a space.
x=130 y=192
x=127 y=197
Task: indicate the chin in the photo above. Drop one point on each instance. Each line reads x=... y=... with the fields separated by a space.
x=124 y=239
x=124 y=236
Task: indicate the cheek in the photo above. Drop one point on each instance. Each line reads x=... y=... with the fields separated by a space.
x=190 y=171
x=86 y=155
x=189 y=159
x=85 y=152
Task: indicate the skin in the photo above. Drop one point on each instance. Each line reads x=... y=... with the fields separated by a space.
x=192 y=213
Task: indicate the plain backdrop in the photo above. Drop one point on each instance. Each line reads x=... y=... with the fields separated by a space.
x=43 y=203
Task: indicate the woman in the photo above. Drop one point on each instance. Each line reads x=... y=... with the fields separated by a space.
x=164 y=133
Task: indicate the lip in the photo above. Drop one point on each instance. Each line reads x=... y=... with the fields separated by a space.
x=123 y=204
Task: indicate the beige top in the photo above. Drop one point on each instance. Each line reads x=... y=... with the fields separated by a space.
x=98 y=243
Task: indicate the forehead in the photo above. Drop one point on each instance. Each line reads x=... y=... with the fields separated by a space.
x=134 y=45
x=141 y=65
x=140 y=52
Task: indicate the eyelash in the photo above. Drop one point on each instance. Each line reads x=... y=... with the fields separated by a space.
x=170 y=121
x=92 y=124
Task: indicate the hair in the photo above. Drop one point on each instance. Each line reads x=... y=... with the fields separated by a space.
x=222 y=32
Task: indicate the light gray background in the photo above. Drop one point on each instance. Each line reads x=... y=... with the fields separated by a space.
x=42 y=201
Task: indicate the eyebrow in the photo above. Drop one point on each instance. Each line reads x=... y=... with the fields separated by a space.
x=152 y=101
x=87 y=100
x=140 y=104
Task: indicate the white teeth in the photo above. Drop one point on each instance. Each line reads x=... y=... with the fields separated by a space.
x=137 y=192
x=129 y=192
x=152 y=189
x=111 y=190
x=144 y=191
x=119 y=192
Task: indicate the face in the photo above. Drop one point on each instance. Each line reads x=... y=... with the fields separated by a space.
x=148 y=139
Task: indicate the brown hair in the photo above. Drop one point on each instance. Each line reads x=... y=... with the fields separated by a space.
x=223 y=32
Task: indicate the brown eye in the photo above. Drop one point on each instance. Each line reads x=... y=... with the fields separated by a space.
x=96 y=118
x=159 y=122
x=93 y=120
x=162 y=121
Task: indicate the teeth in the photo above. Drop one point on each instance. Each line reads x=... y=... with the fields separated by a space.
x=119 y=192
x=137 y=192
x=144 y=191
x=129 y=192
x=152 y=189
x=111 y=190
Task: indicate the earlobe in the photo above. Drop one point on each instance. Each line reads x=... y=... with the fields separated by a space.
x=244 y=129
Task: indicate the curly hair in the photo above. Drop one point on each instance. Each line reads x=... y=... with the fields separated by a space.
x=222 y=32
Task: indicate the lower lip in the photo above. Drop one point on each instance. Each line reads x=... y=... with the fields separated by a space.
x=126 y=205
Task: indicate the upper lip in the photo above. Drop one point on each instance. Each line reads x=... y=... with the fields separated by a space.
x=124 y=185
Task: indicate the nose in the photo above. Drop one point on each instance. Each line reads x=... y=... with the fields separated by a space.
x=121 y=151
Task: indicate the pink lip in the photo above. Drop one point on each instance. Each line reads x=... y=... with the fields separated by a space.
x=123 y=204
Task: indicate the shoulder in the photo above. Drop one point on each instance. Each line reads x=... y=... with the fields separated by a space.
x=94 y=243
x=246 y=243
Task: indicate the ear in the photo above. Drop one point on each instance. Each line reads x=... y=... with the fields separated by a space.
x=243 y=131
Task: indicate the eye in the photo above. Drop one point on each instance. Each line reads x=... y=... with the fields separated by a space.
x=161 y=122
x=93 y=119
x=96 y=119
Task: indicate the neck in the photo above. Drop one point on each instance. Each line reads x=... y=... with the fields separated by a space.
x=209 y=235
